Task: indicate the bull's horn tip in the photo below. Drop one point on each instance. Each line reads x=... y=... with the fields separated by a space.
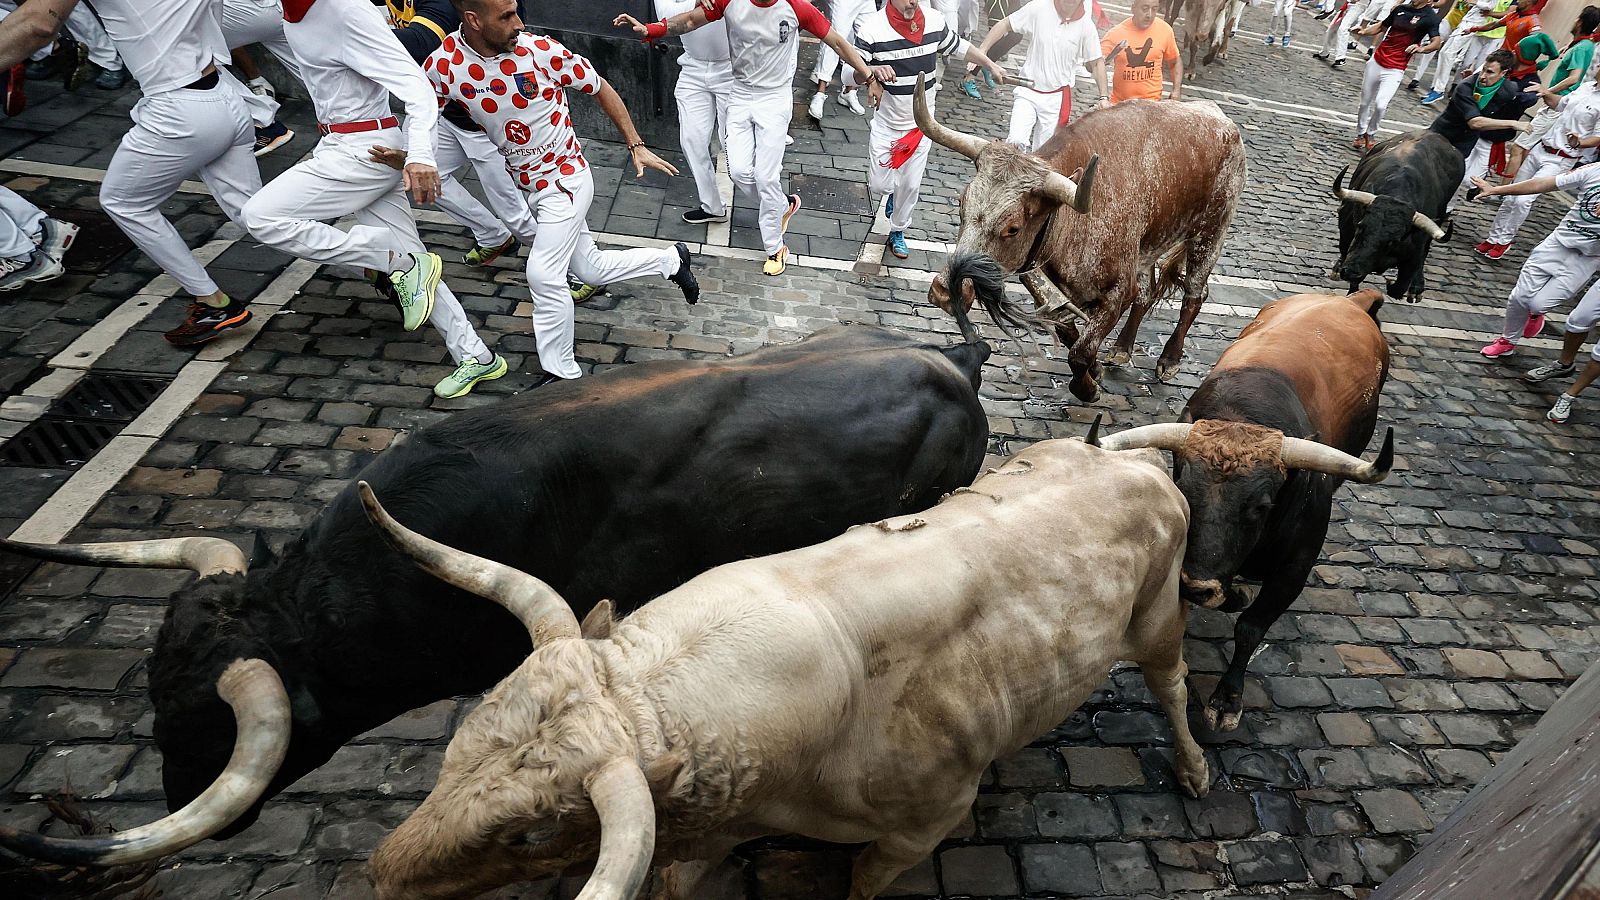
x=1093 y=437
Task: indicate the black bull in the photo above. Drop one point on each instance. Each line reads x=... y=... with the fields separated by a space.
x=1394 y=209
x=621 y=486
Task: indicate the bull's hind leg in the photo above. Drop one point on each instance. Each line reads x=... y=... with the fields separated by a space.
x=1155 y=642
x=1197 y=269
x=885 y=858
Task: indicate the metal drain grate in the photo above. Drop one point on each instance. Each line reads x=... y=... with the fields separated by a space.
x=82 y=421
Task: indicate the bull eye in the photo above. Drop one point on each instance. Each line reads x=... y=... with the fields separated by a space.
x=1013 y=231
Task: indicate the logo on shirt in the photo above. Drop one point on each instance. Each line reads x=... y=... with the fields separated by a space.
x=518 y=133
x=1588 y=206
x=526 y=86
x=468 y=91
x=783 y=32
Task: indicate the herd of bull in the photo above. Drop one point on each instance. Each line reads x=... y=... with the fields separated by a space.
x=693 y=640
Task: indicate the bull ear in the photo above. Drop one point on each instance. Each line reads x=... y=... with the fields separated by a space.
x=663 y=772
x=597 y=624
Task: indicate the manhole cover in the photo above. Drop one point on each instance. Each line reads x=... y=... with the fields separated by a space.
x=58 y=443
x=834 y=195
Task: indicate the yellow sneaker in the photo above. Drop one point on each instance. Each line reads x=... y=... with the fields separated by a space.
x=776 y=263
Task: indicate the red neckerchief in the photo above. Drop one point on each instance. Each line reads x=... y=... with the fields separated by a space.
x=910 y=29
x=1081 y=10
x=295 y=10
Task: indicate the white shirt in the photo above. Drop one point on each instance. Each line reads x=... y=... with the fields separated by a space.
x=351 y=62
x=520 y=99
x=1580 y=115
x=1580 y=229
x=708 y=43
x=765 y=40
x=165 y=44
x=1057 y=48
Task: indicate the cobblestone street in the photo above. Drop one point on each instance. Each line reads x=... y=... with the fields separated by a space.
x=1453 y=604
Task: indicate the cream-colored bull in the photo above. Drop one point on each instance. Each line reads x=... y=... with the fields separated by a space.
x=853 y=691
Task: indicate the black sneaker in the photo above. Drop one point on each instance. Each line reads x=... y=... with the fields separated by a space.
x=272 y=137
x=1412 y=87
x=1338 y=64
x=112 y=79
x=699 y=216
x=545 y=379
x=206 y=322
x=684 y=277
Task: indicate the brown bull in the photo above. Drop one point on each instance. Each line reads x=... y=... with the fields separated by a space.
x=1208 y=27
x=1264 y=443
x=1172 y=176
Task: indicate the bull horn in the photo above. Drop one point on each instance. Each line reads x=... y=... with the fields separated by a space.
x=1344 y=193
x=621 y=796
x=204 y=555
x=1169 y=436
x=1093 y=437
x=1427 y=224
x=1065 y=191
x=965 y=144
x=1299 y=453
x=261 y=714
x=541 y=610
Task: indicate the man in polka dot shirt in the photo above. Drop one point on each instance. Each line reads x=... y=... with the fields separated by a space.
x=515 y=85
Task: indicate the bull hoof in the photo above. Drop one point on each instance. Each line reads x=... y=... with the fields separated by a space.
x=1167 y=370
x=1194 y=776
x=1333 y=275
x=1223 y=712
x=1084 y=389
x=1119 y=357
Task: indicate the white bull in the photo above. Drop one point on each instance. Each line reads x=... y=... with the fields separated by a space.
x=853 y=691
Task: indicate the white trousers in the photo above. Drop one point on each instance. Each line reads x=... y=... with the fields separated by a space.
x=560 y=243
x=21 y=225
x=843 y=15
x=1477 y=166
x=1514 y=209
x=1426 y=59
x=704 y=91
x=1337 y=38
x=259 y=22
x=905 y=183
x=453 y=149
x=1035 y=115
x=1378 y=85
x=757 y=124
x=1282 y=10
x=1552 y=274
x=176 y=135
x=337 y=180
x=1543 y=120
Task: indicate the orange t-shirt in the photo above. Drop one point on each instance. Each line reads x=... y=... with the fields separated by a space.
x=1137 y=70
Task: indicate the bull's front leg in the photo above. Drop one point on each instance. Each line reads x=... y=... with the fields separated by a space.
x=885 y=858
x=1278 y=591
x=1194 y=297
x=1122 y=350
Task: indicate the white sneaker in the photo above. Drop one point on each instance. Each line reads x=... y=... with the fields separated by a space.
x=55 y=236
x=815 y=109
x=261 y=87
x=852 y=102
x=1549 y=371
x=11 y=272
x=1562 y=410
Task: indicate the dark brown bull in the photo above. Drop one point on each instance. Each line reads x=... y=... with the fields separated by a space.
x=1265 y=441
x=1171 y=180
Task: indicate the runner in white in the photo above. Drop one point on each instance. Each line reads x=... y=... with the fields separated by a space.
x=1571 y=142
x=352 y=63
x=846 y=16
x=32 y=245
x=1282 y=11
x=515 y=85
x=764 y=37
x=704 y=90
x=909 y=39
x=191 y=120
x=1062 y=38
x=247 y=22
x=1337 y=38
x=1461 y=50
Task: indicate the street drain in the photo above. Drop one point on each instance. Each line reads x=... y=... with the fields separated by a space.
x=82 y=421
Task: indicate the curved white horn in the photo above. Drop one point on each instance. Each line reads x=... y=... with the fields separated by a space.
x=541 y=610
x=261 y=713
x=621 y=796
x=1299 y=453
x=1168 y=436
x=1344 y=193
x=1427 y=224
x=1067 y=192
x=204 y=555
x=965 y=144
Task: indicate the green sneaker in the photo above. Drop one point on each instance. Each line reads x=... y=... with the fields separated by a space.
x=580 y=291
x=482 y=256
x=417 y=287
x=467 y=375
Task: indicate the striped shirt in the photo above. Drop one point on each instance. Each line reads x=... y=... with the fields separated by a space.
x=881 y=45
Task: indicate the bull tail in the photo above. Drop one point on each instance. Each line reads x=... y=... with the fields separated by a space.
x=1370 y=300
x=1166 y=277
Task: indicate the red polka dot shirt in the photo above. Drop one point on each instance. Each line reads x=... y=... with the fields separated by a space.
x=520 y=99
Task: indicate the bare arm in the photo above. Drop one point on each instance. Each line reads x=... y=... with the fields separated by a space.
x=1541 y=185
x=977 y=57
x=33 y=25
x=617 y=111
x=1484 y=123
x=682 y=23
x=852 y=58
x=1175 y=72
x=1097 y=71
x=1000 y=30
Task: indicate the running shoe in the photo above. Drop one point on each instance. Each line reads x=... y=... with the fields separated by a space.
x=1548 y=371
x=581 y=292
x=272 y=137
x=40 y=267
x=1286 y=42
x=1496 y=251
x=684 y=277
x=850 y=101
x=56 y=237
x=1337 y=64
x=1500 y=347
x=417 y=288
x=897 y=245
x=700 y=216
x=1268 y=40
x=483 y=255
x=11 y=272
x=815 y=109
x=776 y=263
x=988 y=78
x=1319 y=55
x=1534 y=326
x=1483 y=247
x=970 y=88
x=112 y=79
x=205 y=322
x=261 y=87
x=794 y=207
x=1431 y=98
x=1412 y=85
x=1562 y=411
x=467 y=375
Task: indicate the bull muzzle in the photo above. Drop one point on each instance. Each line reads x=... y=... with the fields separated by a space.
x=1206 y=592
x=939 y=294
